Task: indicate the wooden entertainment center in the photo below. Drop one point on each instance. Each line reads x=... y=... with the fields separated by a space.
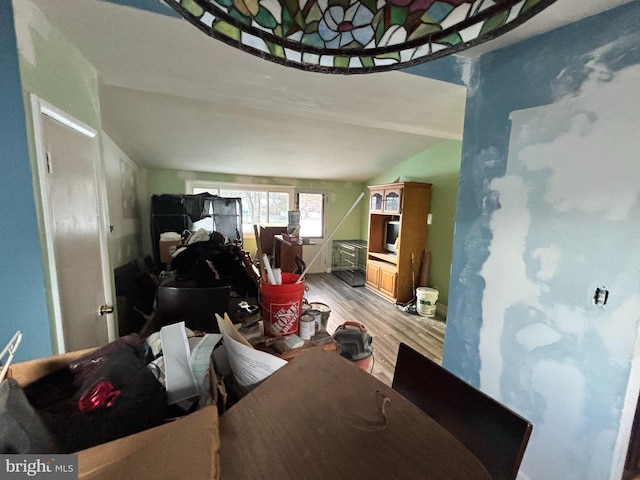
x=401 y=208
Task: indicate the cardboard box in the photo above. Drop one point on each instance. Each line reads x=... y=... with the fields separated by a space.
x=167 y=247
x=184 y=448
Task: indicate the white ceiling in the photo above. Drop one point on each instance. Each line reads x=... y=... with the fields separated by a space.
x=171 y=97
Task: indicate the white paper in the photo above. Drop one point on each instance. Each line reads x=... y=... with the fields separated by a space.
x=179 y=379
x=201 y=355
x=248 y=365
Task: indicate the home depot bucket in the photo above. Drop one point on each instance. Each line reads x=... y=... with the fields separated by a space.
x=426 y=301
x=281 y=305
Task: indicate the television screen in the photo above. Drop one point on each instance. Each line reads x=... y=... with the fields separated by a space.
x=392 y=232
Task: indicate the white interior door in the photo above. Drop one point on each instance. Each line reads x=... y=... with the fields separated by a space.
x=76 y=231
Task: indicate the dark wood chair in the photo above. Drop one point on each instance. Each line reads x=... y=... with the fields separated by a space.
x=496 y=435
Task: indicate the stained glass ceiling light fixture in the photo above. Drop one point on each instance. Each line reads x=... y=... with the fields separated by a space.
x=355 y=36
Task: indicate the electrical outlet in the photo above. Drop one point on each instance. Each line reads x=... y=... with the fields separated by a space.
x=600 y=296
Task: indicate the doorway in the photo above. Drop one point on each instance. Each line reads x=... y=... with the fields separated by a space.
x=73 y=208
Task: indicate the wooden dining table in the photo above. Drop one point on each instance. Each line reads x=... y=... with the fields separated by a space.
x=322 y=417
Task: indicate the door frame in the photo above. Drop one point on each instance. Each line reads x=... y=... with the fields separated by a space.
x=41 y=107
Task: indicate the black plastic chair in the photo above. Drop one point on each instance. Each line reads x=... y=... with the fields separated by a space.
x=496 y=435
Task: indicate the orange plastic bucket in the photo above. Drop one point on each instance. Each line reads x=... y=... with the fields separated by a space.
x=281 y=305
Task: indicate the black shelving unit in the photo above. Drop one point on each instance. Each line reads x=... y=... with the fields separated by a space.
x=348 y=261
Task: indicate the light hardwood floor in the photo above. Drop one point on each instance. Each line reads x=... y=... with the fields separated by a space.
x=384 y=321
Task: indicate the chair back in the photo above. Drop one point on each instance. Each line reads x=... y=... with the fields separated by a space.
x=496 y=435
x=197 y=306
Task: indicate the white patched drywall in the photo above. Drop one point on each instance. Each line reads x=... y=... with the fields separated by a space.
x=566 y=223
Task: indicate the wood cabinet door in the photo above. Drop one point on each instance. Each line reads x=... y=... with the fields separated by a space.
x=393 y=200
x=373 y=275
x=376 y=200
x=387 y=282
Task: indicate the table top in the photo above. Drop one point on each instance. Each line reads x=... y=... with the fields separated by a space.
x=322 y=417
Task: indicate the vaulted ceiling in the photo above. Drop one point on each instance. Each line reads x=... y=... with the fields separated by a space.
x=171 y=97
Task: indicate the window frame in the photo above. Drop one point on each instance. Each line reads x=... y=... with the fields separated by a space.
x=318 y=191
x=293 y=192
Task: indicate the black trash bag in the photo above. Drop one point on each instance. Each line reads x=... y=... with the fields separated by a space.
x=212 y=264
x=119 y=398
x=21 y=429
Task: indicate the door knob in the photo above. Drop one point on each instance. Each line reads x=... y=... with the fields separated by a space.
x=105 y=309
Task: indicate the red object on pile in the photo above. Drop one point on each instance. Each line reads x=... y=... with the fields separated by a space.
x=101 y=395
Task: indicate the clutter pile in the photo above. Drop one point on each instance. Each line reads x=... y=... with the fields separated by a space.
x=209 y=260
x=94 y=397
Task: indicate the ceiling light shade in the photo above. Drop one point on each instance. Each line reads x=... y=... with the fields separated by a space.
x=355 y=36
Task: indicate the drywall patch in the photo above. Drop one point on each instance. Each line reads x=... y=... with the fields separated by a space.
x=510 y=226
x=468 y=69
x=598 y=64
x=537 y=335
x=595 y=137
x=563 y=221
x=559 y=420
x=547 y=258
x=570 y=321
x=622 y=322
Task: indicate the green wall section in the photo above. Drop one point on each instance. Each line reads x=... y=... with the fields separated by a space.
x=440 y=166
x=52 y=68
x=55 y=70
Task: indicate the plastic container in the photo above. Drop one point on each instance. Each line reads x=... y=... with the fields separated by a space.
x=281 y=305
x=293 y=228
x=294 y=217
x=427 y=299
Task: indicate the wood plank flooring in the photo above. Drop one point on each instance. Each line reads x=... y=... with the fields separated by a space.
x=384 y=321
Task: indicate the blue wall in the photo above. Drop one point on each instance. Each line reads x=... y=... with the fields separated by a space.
x=547 y=211
x=22 y=285
x=449 y=69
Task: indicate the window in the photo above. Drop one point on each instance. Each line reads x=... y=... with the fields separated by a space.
x=311 y=206
x=268 y=204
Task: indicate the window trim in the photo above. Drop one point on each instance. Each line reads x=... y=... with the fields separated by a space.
x=293 y=192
